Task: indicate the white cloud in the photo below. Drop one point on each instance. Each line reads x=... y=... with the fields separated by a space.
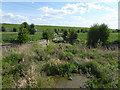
x=79 y=8
x=13 y=18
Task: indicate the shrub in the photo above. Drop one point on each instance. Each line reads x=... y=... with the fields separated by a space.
x=51 y=48
x=3 y=29
x=63 y=69
x=11 y=60
x=32 y=29
x=66 y=56
x=48 y=34
x=11 y=70
x=23 y=35
x=98 y=34
x=14 y=29
x=72 y=36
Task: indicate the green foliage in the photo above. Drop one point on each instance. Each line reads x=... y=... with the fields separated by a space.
x=60 y=69
x=11 y=60
x=11 y=37
x=48 y=34
x=23 y=35
x=72 y=36
x=69 y=35
x=14 y=29
x=24 y=25
x=66 y=56
x=98 y=34
x=32 y=29
x=104 y=33
x=93 y=36
x=65 y=33
x=108 y=77
x=3 y=29
x=11 y=70
x=51 y=48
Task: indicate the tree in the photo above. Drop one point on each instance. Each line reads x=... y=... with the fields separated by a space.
x=104 y=33
x=14 y=29
x=93 y=35
x=24 y=25
x=23 y=35
x=65 y=33
x=98 y=34
x=48 y=34
x=56 y=31
x=3 y=29
x=32 y=29
x=72 y=36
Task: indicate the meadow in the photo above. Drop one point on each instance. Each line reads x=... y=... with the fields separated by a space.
x=11 y=37
x=50 y=64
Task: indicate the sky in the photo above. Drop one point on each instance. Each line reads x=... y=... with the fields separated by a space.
x=76 y=14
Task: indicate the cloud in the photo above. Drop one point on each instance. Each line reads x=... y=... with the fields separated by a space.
x=13 y=18
x=79 y=8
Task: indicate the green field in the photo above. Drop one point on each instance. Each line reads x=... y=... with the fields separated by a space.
x=9 y=37
x=9 y=27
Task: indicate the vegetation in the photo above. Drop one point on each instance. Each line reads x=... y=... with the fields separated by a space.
x=23 y=35
x=63 y=60
x=98 y=34
x=14 y=29
x=47 y=34
x=32 y=29
x=3 y=29
x=40 y=64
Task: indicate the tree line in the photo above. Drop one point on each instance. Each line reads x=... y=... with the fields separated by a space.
x=97 y=34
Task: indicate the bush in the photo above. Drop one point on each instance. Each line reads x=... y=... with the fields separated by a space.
x=48 y=34
x=14 y=29
x=66 y=56
x=11 y=70
x=32 y=29
x=62 y=69
x=51 y=48
x=23 y=35
x=3 y=29
x=98 y=34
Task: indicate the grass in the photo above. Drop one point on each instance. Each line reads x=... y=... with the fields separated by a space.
x=9 y=37
x=42 y=63
x=9 y=27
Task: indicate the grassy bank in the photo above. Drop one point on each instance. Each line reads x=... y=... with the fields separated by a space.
x=35 y=65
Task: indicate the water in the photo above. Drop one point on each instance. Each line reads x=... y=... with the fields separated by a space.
x=76 y=82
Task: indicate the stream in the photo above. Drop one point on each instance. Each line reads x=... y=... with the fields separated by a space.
x=76 y=82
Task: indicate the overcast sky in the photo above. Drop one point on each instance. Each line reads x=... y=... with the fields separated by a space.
x=80 y=14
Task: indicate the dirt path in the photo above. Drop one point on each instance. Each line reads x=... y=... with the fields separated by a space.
x=15 y=44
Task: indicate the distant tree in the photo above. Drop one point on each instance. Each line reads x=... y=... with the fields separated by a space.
x=72 y=36
x=78 y=31
x=3 y=29
x=24 y=25
x=48 y=34
x=65 y=33
x=62 y=30
x=98 y=34
x=82 y=30
x=23 y=35
x=56 y=31
x=14 y=29
x=32 y=29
